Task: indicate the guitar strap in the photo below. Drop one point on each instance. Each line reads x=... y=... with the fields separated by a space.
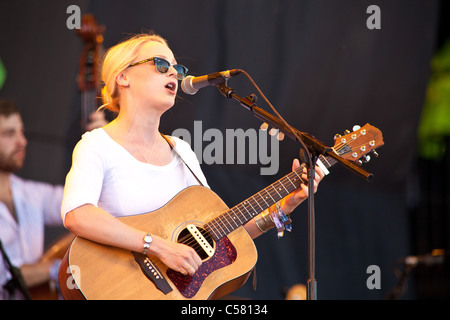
x=174 y=149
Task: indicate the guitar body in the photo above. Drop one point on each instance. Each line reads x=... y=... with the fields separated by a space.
x=104 y=272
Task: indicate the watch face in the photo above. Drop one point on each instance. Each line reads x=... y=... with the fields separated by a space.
x=148 y=239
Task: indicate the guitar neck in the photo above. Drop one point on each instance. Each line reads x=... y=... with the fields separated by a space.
x=257 y=203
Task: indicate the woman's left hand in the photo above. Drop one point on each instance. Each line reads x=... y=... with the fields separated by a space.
x=291 y=201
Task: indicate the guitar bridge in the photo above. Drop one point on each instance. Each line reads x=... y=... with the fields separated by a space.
x=152 y=272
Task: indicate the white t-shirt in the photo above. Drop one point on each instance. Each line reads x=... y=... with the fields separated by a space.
x=105 y=174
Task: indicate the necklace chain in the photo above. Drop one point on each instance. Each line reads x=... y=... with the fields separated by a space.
x=147 y=159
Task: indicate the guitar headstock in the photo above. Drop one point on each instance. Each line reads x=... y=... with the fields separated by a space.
x=357 y=145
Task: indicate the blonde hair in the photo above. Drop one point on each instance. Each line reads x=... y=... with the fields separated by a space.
x=117 y=59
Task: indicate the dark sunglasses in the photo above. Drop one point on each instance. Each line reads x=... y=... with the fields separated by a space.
x=162 y=66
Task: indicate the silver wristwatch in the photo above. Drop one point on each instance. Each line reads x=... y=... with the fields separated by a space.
x=147 y=241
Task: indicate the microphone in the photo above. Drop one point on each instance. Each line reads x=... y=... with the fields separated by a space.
x=190 y=84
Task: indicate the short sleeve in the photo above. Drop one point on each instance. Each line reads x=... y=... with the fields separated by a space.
x=84 y=181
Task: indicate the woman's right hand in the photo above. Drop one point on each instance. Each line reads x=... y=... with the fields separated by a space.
x=176 y=256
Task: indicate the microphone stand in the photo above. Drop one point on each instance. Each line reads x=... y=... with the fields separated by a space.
x=312 y=149
x=17 y=281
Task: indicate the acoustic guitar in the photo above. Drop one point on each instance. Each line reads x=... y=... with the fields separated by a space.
x=198 y=218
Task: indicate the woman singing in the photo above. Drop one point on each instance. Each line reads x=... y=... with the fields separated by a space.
x=128 y=167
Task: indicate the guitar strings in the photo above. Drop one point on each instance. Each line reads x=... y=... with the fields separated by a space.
x=221 y=223
x=190 y=241
x=273 y=191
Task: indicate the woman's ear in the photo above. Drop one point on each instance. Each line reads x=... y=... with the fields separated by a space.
x=122 y=80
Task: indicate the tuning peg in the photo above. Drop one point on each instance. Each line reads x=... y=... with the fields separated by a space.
x=264 y=126
x=366 y=158
x=337 y=135
x=347 y=131
x=375 y=154
x=253 y=98
x=356 y=127
x=273 y=132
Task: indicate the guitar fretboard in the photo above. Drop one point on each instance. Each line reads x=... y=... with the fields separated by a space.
x=257 y=203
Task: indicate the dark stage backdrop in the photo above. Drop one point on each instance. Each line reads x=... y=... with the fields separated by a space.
x=319 y=65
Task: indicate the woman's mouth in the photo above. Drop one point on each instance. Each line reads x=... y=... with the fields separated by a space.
x=172 y=86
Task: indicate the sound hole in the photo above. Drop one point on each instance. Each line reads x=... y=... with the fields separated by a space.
x=185 y=237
